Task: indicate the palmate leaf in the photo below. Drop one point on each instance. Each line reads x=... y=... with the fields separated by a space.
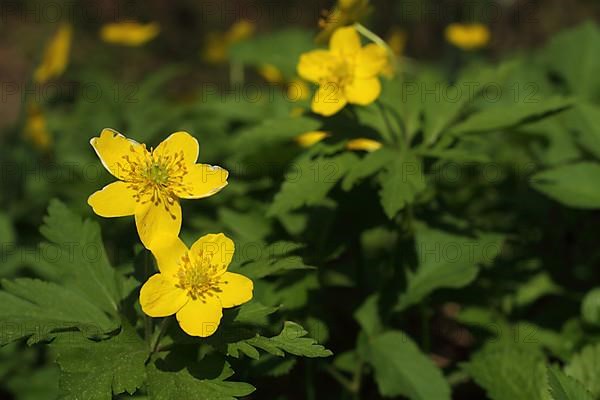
x=310 y=180
x=447 y=260
x=401 y=181
x=510 y=371
x=574 y=185
x=169 y=378
x=585 y=367
x=96 y=370
x=564 y=387
x=292 y=340
x=401 y=369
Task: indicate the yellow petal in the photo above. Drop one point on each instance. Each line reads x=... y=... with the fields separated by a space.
x=156 y=222
x=114 y=200
x=129 y=33
x=345 y=41
x=370 y=61
x=179 y=142
x=364 y=144
x=56 y=55
x=314 y=65
x=468 y=36
x=201 y=317
x=240 y=30
x=271 y=73
x=202 y=180
x=234 y=289
x=160 y=298
x=309 y=139
x=328 y=100
x=363 y=91
x=113 y=148
x=168 y=252
x=217 y=247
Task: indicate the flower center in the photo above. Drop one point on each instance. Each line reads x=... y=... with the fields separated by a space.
x=341 y=72
x=155 y=178
x=198 y=275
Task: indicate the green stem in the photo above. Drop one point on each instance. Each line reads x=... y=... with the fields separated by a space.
x=390 y=134
x=309 y=382
x=236 y=74
x=341 y=379
x=425 y=339
x=164 y=325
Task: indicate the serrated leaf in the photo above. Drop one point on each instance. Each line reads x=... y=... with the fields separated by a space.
x=585 y=367
x=401 y=369
x=33 y=307
x=401 y=181
x=77 y=254
x=96 y=370
x=291 y=340
x=510 y=371
x=309 y=181
x=166 y=382
x=574 y=185
x=367 y=166
x=564 y=387
x=504 y=117
x=447 y=260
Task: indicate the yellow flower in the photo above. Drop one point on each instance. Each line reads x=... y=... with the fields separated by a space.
x=396 y=42
x=468 y=36
x=56 y=55
x=218 y=44
x=36 y=129
x=129 y=33
x=365 y=144
x=346 y=73
x=297 y=90
x=346 y=12
x=151 y=182
x=310 y=138
x=194 y=284
x=271 y=73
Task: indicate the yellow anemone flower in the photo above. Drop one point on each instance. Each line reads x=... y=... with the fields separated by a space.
x=151 y=182
x=346 y=73
x=468 y=36
x=129 y=33
x=218 y=44
x=194 y=284
x=297 y=90
x=56 y=55
x=36 y=129
x=311 y=138
x=364 y=144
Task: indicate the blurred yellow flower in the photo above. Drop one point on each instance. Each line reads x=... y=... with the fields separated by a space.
x=346 y=73
x=364 y=144
x=56 y=55
x=345 y=12
x=468 y=36
x=217 y=44
x=298 y=90
x=36 y=129
x=129 y=33
x=271 y=74
x=151 y=182
x=396 y=41
x=311 y=138
x=194 y=284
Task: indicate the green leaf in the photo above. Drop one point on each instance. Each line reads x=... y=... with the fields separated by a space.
x=291 y=340
x=564 y=387
x=574 y=185
x=271 y=260
x=585 y=367
x=582 y=44
x=96 y=370
x=505 y=117
x=401 y=369
x=401 y=181
x=447 y=260
x=585 y=120
x=77 y=255
x=310 y=180
x=590 y=307
x=367 y=166
x=509 y=371
x=30 y=307
x=168 y=380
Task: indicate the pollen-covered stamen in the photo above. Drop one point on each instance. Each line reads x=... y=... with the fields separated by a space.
x=198 y=276
x=155 y=178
